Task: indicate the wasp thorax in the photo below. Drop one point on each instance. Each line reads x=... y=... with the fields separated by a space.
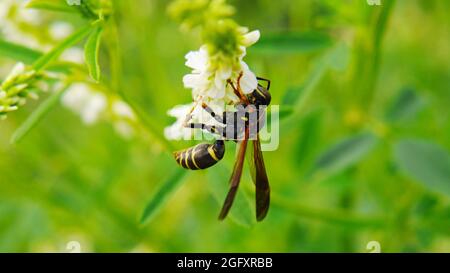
x=260 y=96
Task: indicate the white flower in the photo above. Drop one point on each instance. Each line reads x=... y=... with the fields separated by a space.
x=92 y=105
x=177 y=131
x=13 y=34
x=124 y=129
x=60 y=30
x=89 y=104
x=122 y=109
x=248 y=81
x=204 y=81
x=93 y=108
x=209 y=83
x=209 y=80
x=73 y=54
x=191 y=113
x=198 y=60
x=5 y=6
x=251 y=38
x=14 y=19
x=18 y=69
x=30 y=16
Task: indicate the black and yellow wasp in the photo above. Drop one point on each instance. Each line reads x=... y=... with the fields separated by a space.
x=240 y=126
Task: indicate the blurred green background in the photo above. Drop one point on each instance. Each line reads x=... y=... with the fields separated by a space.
x=364 y=138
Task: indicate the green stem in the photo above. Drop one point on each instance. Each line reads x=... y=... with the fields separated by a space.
x=35 y=117
x=116 y=69
x=46 y=59
x=374 y=55
x=86 y=10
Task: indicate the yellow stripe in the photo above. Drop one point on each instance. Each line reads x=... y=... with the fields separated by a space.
x=193 y=157
x=212 y=153
x=261 y=93
x=180 y=158
x=186 y=160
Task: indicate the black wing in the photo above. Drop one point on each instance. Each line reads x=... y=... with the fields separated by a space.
x=259 y=176
x=234 y=180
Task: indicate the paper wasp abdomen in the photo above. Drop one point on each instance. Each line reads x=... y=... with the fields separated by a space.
x=200 y=156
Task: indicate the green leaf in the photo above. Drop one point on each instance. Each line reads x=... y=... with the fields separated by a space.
x=162 y=194
x=405 y=106
x=425 y=162
x=18 y=52
x=345 y=153
x=242 y=212
x=53 y=5
x=291 y=95
x=291 y=42
x=91 y=50
x=47 y=58
x=29 y=56
x=35 y=117
x=337 y=58
x=306 y=144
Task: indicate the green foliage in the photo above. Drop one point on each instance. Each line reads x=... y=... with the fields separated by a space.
x=291 y=42
x=18 y=52
x=161 y=195
x=199 y=12
x=335 y=72
x=52 y=5
x=345 y=153
x=50 y=56
x=91 y=50
x=310 y=132
x=336 y=58
x=405 y=106
x=425 y=162
x=242 y=212
x=34 y=118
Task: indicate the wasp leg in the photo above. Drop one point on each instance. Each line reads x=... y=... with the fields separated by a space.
x=210 y=128
x=265 y=80
x=211 y=112
x=236 y=92
x=237 y=89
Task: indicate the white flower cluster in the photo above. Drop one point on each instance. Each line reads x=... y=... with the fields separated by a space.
x=93 y=105
x=13 y=14
x=19 y=24
x=209 y=83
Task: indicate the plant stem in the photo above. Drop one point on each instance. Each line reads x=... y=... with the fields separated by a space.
x=378 y=35
x=116 y=70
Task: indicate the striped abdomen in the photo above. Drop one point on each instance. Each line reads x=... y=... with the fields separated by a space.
x=200 y=156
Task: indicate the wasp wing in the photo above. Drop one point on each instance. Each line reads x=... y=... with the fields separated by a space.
x=235 y=179
x=261 y=181
x=251 y=163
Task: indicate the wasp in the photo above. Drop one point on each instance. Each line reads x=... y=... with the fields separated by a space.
x=241 y=126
